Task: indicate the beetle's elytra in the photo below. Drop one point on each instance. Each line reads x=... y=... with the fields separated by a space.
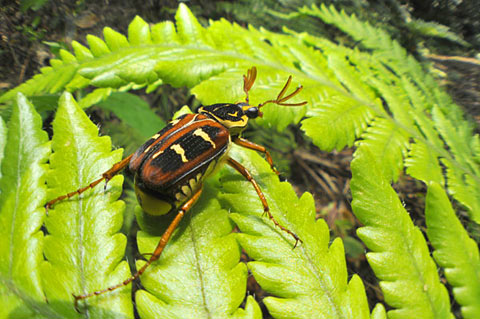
x=171 y=166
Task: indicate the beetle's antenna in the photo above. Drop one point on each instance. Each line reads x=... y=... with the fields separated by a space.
x=281 y=99
x=248 y=81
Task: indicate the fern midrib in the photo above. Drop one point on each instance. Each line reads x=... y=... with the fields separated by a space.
x=47 y=312
x=17 y=194
x=80 y=220
x=340 y=116
x=387 y=143
x=313 y=267
x=413 y=260
x=198 y=267
x=317 y=273
x=233 y=54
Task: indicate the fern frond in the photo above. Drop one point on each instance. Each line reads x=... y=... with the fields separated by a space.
x=309 y=281
x=83 y=248
x=454 y=250
x=380 y=95
x=51 y=80
x=400 y=256
x=389 y=144
x=463 y=174
x=3 y=141
x=22 y=195
x=438 y=123
x=463 y=188
x=436 y=30
x=94 y=97
x=200 y=274
x=186 y=57
x=338 y=123
x=383 y=47
x=422 y=164
x=379 y=312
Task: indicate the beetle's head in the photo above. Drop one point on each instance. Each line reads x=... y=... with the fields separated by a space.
x=235 y=116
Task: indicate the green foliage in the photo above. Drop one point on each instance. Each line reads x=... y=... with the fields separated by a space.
x=400 y=256
x=309 y=281
x=23 y=193
x=432 y=29
x=32 y=4
x=454 y=250
x=376 y=97
x=86 y=255
x=134 y=112
x=200 y=274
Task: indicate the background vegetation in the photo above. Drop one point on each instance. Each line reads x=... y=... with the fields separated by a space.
x=431 y=141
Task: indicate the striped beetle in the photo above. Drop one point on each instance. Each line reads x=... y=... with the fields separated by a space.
x=170 y=167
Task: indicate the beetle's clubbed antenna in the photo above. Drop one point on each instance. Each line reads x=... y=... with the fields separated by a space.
x=248 y=81
x=280 y=100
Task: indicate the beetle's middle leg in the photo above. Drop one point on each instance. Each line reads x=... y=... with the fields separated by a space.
x=242 y=170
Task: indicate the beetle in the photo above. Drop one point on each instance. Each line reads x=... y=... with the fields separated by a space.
x=170 y=167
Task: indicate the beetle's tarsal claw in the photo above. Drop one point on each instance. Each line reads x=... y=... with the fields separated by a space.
x=75 y=304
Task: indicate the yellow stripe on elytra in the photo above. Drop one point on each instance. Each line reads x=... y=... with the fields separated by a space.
x=150 y=146
x=202 y=134
x=180 y=151
x=156 y=154
x=174 y=122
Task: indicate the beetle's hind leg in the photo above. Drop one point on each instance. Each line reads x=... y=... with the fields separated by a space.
x=154 y=256
x=108 y=175
x=242 y=170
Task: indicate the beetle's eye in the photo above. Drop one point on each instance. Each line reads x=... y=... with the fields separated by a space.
x=252 y=112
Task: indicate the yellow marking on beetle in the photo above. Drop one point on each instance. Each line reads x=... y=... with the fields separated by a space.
x=180 y=151
x=202 y=134
x=174 y=122
x=180 y=196
x=234 y=114
x=186 y=190
x=246 y=107
x=152 y=205
x=240 y=123
x=235 y=124
x=192 y=183
x=157 y=154
x=150 y=146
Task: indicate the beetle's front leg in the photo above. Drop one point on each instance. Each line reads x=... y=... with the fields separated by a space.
x=259 y=148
